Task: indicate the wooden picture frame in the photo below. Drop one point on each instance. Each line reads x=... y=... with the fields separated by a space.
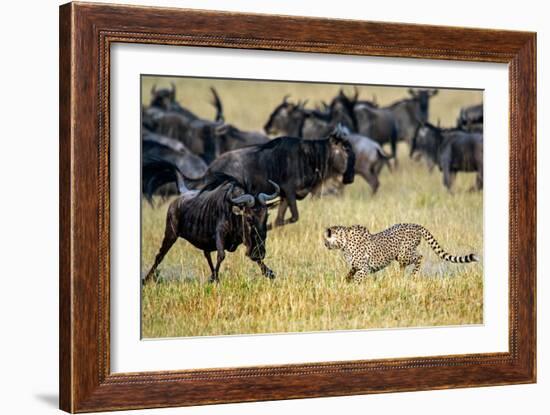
x=86 y=33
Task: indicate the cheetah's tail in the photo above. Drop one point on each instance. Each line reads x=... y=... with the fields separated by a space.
x=444 y=255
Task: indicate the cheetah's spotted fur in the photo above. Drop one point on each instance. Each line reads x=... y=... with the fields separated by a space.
x=367 y=253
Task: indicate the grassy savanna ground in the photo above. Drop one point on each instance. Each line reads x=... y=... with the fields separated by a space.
x=309 y=293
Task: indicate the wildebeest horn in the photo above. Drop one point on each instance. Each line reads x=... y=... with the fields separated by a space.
x=246 y=199
x=154 y=89
x=172 y=87
x=287 y=96
x=412 y=92
x=356 y=93
x=433 y=92
x=264 y=198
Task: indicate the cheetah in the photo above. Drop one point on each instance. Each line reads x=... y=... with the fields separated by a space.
x=367 y=253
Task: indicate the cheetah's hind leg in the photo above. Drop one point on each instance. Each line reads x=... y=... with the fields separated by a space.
x=351 y=275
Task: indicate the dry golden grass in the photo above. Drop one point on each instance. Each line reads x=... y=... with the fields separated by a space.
x=309 y=293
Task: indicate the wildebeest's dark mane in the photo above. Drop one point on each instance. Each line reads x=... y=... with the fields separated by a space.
x=205 y=210
x=283 y=143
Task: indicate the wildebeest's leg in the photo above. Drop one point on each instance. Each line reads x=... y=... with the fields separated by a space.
x=393 y=143
x=170 y=237
x=265 y=270
x=448 y=178
x=208 y=256
x=220 y=257
x=293 y=208
x=291 y=197
x=280 y=219
x=372 y=179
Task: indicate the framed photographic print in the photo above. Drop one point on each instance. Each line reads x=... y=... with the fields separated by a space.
x=261 y=207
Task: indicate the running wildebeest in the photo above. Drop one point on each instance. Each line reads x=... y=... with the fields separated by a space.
x=471 y=118
x=369 y=155
x=453 y=150
x=297 y=166
x=219 y=217
x=155 y=147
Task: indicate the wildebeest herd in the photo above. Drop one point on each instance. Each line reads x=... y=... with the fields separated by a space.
x=228 y=178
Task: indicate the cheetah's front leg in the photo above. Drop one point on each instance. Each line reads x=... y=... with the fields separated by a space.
x=417 y=261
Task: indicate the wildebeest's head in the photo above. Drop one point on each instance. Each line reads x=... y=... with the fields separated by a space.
x=343 y=102
x=427 y=140
x=283 y=116
x=252 y=211
x=341 y=109
x=342 y=157
x=163 y=98
x=422 y=96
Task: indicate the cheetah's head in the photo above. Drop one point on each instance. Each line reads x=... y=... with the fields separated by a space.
x=335 y=237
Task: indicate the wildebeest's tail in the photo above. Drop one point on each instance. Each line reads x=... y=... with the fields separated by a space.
x=156 y=172
x=444 y=255
x=217 y=102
